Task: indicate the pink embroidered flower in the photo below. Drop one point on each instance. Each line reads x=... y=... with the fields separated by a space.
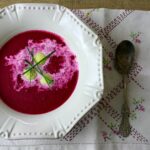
x=110 y=54
x=105 y=136
x=138 y=41
x=140 y=108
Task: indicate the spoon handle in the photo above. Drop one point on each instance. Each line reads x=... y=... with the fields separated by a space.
x=125 y=127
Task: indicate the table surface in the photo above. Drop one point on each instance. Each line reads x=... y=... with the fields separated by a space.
x=124 y=4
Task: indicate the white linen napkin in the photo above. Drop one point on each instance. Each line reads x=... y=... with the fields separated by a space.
x=98 y=129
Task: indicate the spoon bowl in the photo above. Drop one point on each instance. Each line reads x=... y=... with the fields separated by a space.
x=124 y=57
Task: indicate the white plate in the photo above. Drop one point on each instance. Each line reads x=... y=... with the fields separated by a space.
x=86 y=45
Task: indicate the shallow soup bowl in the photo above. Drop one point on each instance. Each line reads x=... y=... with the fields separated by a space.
x=83 y=42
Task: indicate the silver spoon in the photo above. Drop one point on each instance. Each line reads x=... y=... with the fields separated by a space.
x=124 y=57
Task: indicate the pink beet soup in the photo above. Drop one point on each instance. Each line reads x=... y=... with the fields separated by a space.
x=31 y=92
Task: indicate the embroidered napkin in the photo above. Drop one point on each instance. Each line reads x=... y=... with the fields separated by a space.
x=98 y=129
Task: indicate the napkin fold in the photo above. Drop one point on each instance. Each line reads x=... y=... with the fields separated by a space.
x=98 y=129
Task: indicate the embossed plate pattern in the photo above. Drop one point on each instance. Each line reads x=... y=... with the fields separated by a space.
x=85 y=44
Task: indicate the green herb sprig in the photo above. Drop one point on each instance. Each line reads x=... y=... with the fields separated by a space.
x=38 y=70
x=36 y=65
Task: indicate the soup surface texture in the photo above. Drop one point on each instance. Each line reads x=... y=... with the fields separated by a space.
x=38 y=72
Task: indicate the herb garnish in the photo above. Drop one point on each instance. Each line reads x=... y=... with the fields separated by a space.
x=35 y=65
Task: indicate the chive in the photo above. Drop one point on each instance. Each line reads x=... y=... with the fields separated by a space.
x=39 y=71
x=36 y=66
x=33 y=66
x=32 y=54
